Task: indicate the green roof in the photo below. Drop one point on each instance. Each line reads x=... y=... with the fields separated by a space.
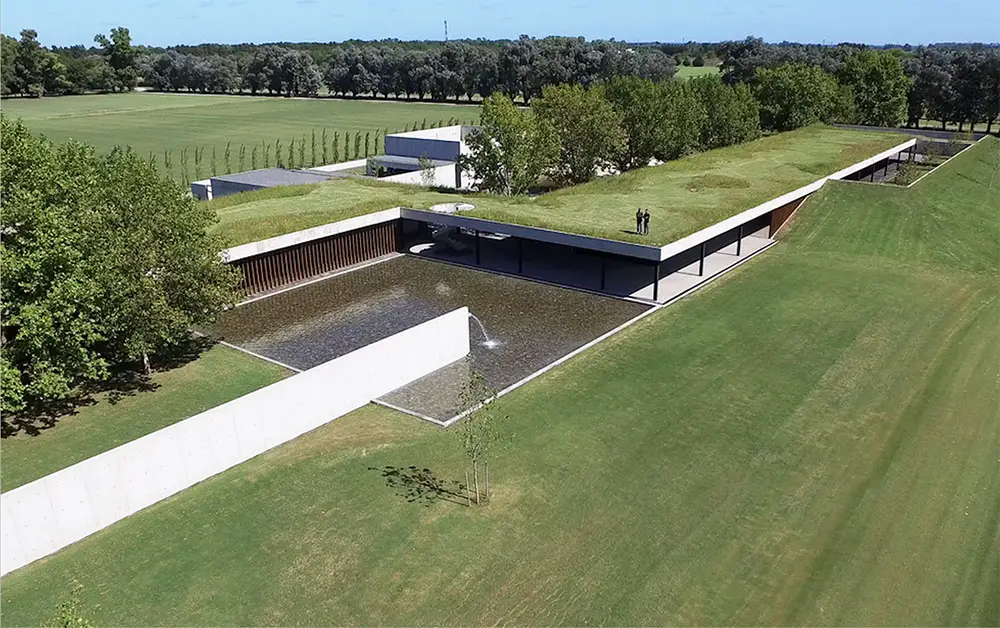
x=682 y=196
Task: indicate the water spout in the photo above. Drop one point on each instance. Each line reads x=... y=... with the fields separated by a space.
x=487 y=341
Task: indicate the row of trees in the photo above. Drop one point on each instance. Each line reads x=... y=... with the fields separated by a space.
x=450 y=71
x=571 y=133
x=29 y=69
x=958 y=84
x=304 y=151
x=106 y=264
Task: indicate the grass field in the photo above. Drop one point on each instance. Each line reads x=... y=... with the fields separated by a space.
x=682 y=196
x=810 y=440
x=158 y=122
x=688 y=71
x=216 y=376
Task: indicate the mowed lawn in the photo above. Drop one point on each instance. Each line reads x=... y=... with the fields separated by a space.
x=152 y=122
x=107 y=420
x=682 y=196
x=810 y=440
x=690 y=71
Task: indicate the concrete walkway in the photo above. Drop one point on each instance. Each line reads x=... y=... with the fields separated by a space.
x=686 y=278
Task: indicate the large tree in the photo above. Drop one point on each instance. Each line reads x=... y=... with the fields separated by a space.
x=588 y=128
x=682 y=123
x=8 y=58
x=121 y=57
x=879 y=84
x=640 y=104
x=793 y=95
x=732 y=114
x=511 y=149
x=105 y=263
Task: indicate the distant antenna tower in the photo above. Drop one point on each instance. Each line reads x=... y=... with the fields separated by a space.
x=446 y=30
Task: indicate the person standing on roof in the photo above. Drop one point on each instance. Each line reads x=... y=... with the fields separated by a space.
x=645 y=223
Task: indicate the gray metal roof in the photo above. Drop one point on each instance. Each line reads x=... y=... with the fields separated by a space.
x=272 y=177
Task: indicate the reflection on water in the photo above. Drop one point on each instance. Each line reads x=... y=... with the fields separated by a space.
x=524 y=325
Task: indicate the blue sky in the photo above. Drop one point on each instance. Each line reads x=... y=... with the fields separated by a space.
x=164 y=22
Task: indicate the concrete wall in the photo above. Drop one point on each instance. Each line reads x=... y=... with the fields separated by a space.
x=202 y=190
x=444 y=177
x=225 y=188
x=417 y=147
x=41 y=517
x=344 y=165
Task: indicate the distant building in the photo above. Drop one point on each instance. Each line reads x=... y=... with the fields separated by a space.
x=441 y=147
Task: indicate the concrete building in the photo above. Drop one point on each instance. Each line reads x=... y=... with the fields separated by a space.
x=226 y=184
x=442 y=146
x=400 y=163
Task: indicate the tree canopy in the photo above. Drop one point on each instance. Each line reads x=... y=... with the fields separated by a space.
x=105 y=263
x=587 y=127
x=511 y=149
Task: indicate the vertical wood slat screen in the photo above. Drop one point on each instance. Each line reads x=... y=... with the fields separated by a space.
x=283 y=267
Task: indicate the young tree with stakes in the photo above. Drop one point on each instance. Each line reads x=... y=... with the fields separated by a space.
x=481 y=433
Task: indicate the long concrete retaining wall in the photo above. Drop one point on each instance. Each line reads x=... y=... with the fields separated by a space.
x=41 y=517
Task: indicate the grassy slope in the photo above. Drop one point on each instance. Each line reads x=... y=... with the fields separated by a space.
x=157 y=122
x=682 y=196
x=811 y=440
x=217 y=376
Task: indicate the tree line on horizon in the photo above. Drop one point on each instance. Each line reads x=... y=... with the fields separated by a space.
x=948 y=82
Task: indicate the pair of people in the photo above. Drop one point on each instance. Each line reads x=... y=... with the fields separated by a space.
x=642 y=221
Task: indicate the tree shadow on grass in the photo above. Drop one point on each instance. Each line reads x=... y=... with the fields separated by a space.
x=421 y=486
x=125 y=381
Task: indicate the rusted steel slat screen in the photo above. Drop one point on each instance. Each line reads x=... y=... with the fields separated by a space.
x=270 y=271
x=781 y=215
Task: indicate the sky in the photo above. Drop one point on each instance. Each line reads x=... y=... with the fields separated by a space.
x=167 y=22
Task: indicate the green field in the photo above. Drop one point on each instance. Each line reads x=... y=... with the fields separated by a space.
x=682 y=196
x=107 y=420
x=689 y=71
x=810 y=440
x=158 y=122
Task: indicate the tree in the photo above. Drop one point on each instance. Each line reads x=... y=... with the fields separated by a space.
x=8 y=61
x=643 y=114
x=121 y=57
x=427 y=171
x=732 y=115
x=682 y=122
x=587 y=127
x=879 y=84
x=991 y=88
x=792 y=96
x=511 y=150
x=28 y=63
x=969 y=88
x=481 y=431
x=105 y=263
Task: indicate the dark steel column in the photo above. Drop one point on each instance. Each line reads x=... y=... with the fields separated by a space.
x=477 y=247
x=604 y=271
x=656 y=281
x=701 y=261
x=520 y=256
x=739 y=240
